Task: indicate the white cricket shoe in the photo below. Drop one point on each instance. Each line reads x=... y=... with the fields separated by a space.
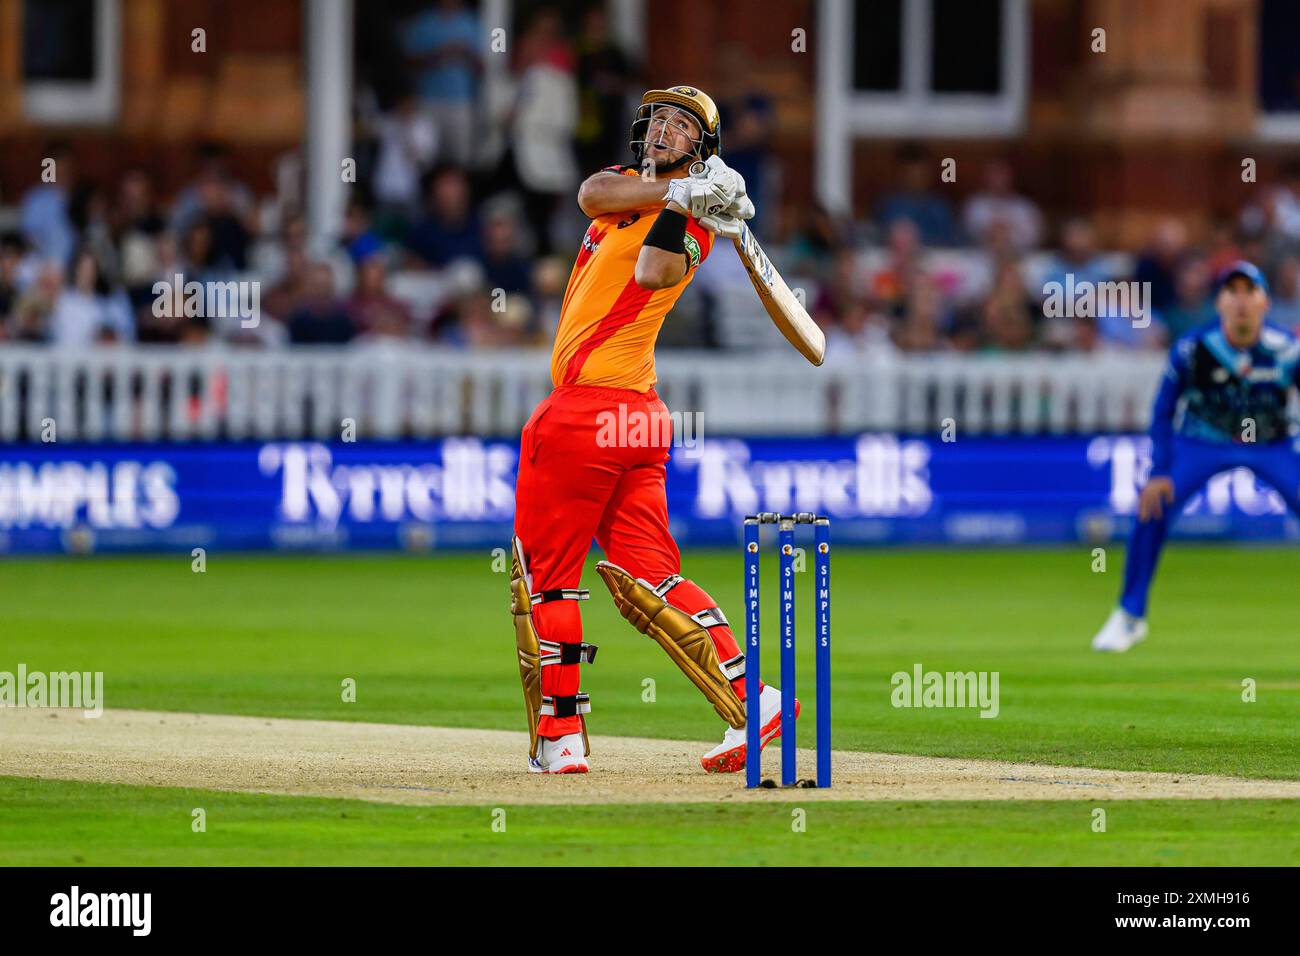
x=1120 y=632
x=729 y=756
x=562 y=755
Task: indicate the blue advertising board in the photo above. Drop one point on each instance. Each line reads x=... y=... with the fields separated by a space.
x=459 y=493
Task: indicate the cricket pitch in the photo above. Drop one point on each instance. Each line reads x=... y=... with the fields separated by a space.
x=392 y=763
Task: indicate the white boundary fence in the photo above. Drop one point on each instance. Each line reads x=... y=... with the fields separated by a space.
x=145 y=393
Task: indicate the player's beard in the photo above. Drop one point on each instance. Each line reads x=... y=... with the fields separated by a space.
x=673 y=163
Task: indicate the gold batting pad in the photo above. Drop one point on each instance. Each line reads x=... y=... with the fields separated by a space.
x=687 y=643
x=530 y=652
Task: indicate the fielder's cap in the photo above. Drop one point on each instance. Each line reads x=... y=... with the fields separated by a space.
x=1247 y=270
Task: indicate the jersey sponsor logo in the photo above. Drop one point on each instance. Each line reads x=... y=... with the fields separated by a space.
x=1275 y=339
x=590 y=245
x=1271 y=374
x=628 y=221
x=692 y=249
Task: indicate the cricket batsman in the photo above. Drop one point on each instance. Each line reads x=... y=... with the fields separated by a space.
x=1222 y=404
x=652 y=225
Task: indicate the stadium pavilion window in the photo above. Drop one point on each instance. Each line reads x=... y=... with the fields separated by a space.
x=1279 y=70
x=71 y=51
x=922 y=66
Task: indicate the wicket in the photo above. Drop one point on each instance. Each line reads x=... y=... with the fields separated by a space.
x=822 y=631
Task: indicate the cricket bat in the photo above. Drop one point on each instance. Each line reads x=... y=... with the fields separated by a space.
x=787 y=314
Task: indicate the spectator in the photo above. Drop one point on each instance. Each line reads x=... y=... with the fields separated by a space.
x=1222 y=249
x=857 y=332
x=442 y=48
x=31 y=318
x=550 y=276
x=997 y=203
x=1284 y=203
x=749 y=137
x=136 y=211
x=1193 y=305
x=1077 y=256
x=920 y=329
x=450 y=228
x=503 y=264
x=283 y=298
x=87 y=311
x=45 y=218
x=138 y=225
x=1285 y=310
x=605 y=77
x=91 y=214
x=228 y=237
x=816 y=238
x=844 y=286
x=1079 y=265
x=196 y=253
x=32 y=314
x=320 y=319
x=916 y=201
x=371 y=309
x=1007 y=325
x=12 y=252
x=171 y=327
x=214 y=180
x=359 y=238
x=542 y=125
x=479 y=324
x=1160 y=263
x=408 y=145
x=892 y=285
x=999 y=246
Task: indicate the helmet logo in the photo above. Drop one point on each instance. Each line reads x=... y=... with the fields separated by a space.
x=686 y=90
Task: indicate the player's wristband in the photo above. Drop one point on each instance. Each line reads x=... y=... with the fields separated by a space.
x=668 y=232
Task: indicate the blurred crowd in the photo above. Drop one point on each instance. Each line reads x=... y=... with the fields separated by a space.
x=991 y=276
x=462 y=224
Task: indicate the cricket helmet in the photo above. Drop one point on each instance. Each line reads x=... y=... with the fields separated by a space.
x=691 y=100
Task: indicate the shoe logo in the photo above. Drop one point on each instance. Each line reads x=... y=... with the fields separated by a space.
x=566 y=752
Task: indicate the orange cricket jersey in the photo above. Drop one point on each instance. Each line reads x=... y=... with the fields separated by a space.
x=608 y=323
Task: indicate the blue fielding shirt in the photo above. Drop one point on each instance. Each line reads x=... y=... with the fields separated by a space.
x=1210 y=387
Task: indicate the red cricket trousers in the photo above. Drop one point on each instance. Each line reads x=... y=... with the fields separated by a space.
x=592 y=465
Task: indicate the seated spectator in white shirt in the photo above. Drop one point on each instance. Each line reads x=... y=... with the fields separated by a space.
x=87 y=311
x=999 y=203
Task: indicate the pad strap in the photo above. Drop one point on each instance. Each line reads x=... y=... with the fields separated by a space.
x=570 y=706
x=710 y=617
x=555 y=652
x=560 y=594
x=666 y=585
x=735 y=667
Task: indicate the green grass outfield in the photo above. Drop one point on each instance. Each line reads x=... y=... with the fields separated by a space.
x=429 y=641
x=57 y=823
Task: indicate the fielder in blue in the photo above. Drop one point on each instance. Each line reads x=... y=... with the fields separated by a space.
x=1222 y=404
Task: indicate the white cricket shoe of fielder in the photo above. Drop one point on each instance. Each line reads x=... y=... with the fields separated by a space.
x=562 y=755
x=1120 y=632
x=729 y=756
